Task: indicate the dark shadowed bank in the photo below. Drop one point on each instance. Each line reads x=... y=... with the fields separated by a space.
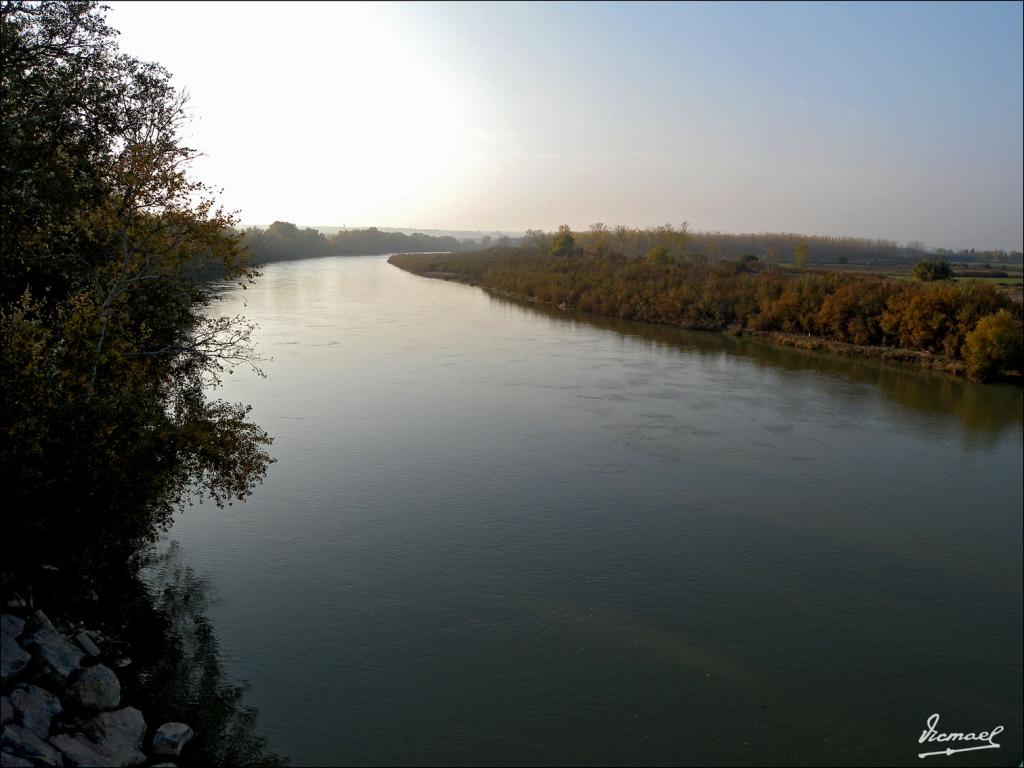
x=153 y=632
x=180 y=674
x=110 y=349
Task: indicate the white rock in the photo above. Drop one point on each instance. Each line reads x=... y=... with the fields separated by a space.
x=11 y=625
x=23 y=743
x=13 y=658
x=86 y=644
x=35 y=708
x=56 y=658
x=10 y=760
x=170 y=739
x=81 y=750
x=95 y=688
x=117 y=734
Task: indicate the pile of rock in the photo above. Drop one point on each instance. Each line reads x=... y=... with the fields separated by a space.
x=62 y=705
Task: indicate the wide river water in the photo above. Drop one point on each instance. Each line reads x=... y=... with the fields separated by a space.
x=497 y=534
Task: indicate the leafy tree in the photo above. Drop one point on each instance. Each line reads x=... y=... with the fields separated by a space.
x=563 y=244
x=993 y=346
x=800 y=254
x=109 y=341
x=659 y=254
x=933 y=269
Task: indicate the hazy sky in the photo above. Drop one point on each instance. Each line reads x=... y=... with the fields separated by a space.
x=895 y=121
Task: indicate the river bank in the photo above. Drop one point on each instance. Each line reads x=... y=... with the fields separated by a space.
x=907 y=357
x=883 y=354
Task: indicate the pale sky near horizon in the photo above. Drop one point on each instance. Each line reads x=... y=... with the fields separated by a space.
x=899 y=121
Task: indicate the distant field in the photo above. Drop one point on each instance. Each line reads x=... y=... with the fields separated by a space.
x=1010 y=278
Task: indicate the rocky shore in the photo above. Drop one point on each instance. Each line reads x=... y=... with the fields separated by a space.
x=62 y=703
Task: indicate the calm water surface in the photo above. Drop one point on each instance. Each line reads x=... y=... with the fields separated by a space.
x=500 y=535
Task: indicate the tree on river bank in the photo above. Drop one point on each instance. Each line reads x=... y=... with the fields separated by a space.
x=109 y=341
x=973 y=325
x=934 y=269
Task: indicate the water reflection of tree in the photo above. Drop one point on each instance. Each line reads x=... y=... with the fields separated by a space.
x=179 y=673
x=984 y=411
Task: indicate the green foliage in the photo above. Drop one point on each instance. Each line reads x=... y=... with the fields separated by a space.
x=933 y=269
x=669 y=242
x=564 y=243
x=109 y=341
x=994 y=346
x=659 y=254
x=669 y=286
x=800 y=254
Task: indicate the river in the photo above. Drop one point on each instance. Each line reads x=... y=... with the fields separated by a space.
x=503 y=535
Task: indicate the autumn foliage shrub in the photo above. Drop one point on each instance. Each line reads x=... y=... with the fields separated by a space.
x=666 y=285
x=994 y=345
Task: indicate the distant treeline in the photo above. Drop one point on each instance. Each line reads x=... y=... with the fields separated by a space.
x=973 y=325
x=282 y=241
x=839 y=250
x=779 y=247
